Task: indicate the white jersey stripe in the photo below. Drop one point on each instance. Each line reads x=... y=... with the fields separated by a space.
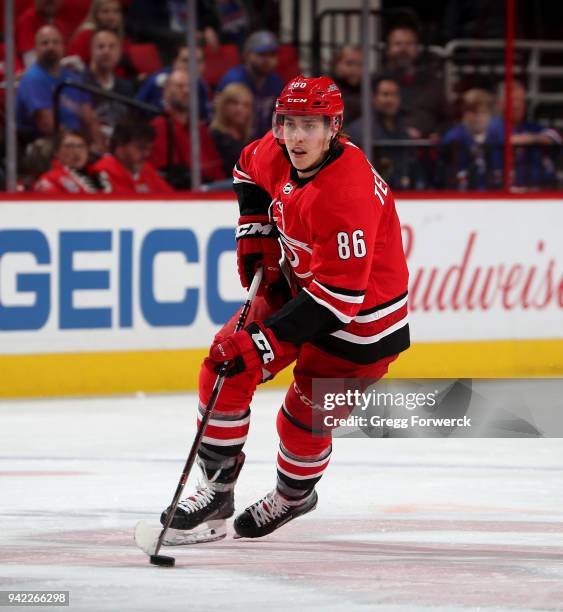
x=342 y=317
x=235 y=169
x=351 y=299
x=237 y=180
x=343 y=335
x=379 y=314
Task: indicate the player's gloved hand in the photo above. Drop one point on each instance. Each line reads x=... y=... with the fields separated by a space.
x=257 y=244
x=249 y=349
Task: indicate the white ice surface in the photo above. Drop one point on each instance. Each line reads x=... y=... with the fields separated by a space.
x=402 y=524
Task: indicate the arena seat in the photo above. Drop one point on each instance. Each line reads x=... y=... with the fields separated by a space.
x=145 y=57
x=218 y=61
x=288 y=62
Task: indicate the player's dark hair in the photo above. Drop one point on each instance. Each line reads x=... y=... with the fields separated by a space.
x=127 y=132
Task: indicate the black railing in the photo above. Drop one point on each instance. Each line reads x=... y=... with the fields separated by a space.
x=98 y=91
x=110 y=95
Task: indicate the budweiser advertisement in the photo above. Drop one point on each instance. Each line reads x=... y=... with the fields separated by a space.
x=485 y=269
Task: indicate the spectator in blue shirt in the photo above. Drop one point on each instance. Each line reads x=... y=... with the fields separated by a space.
x=152 y=89
x=257 y=73
x=533 y=164
x=464 y=156
x=34 y=106
x=105 y=55
x=396 y=164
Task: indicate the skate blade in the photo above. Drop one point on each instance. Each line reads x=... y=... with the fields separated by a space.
x=206 y=532
x=146 y=537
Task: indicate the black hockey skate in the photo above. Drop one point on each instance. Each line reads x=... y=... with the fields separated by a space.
x=201 y=517
x=271 y=512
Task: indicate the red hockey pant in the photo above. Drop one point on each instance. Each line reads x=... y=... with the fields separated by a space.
x=303 y=454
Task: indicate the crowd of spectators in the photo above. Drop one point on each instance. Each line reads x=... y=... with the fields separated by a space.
x=94 y=141
x=421 y=142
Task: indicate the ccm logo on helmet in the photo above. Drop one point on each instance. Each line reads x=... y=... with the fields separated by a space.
x=297 y=99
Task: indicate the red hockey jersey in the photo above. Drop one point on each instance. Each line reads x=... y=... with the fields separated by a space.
x=342 y=248
x=115 y=178
x=62 y=179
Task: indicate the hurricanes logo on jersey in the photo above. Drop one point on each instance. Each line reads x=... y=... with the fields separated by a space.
x=297 y=253
x=287 y=188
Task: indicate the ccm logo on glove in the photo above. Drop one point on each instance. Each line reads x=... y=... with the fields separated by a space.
x=262 y=345
x=248 y=349
x=254 y=229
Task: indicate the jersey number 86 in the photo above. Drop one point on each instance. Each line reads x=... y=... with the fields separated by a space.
x=358 y=244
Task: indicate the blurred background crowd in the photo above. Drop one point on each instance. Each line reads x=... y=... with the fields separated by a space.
x=103 y=89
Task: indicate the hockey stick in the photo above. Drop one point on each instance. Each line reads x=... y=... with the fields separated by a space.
x=144 y=536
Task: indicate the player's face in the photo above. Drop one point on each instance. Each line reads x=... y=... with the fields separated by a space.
x=73 y=152
x=307 y=140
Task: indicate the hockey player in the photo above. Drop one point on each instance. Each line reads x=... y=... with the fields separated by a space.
x=322 y=223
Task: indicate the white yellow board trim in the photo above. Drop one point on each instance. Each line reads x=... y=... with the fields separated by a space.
x=114 y=297
x=177 y=370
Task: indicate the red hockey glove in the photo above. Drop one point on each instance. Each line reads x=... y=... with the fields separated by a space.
x=249 y=349
x=257 y=244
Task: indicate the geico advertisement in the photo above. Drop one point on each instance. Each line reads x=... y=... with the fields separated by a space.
x=154 y=275
x=115 y=276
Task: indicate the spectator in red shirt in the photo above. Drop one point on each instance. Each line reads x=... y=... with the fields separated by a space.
x=126 y=169
x=177 y=169
x=43 y=12
x=68 y=169
x=103 y=15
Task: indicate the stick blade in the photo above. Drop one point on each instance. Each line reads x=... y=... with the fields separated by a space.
x=146 y=537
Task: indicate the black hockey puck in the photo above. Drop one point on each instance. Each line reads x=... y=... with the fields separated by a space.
x=162 y=560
